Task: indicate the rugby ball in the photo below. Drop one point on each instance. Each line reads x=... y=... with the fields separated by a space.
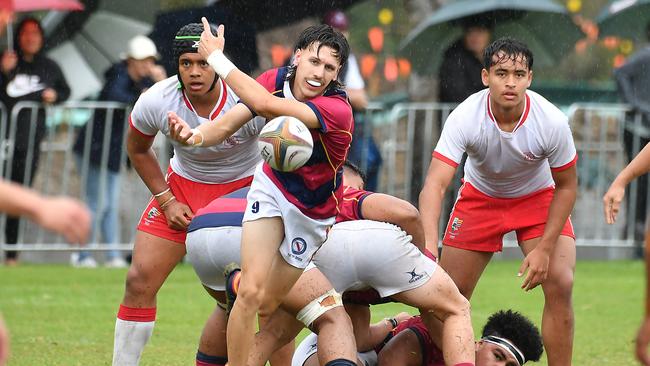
x=285 y=143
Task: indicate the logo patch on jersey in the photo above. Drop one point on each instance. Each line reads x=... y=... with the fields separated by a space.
x=196 y=44
x=153 y=212
x=298 y=246
x=414 y=276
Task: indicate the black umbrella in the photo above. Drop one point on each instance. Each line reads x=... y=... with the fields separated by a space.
x=544 y=25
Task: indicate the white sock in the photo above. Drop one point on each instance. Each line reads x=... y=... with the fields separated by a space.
x=130 y=339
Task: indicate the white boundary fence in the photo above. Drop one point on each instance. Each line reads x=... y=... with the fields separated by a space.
x=58 y=173
x=406 y=135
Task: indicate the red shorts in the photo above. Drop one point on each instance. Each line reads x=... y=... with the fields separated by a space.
x=479 y=222
x=194 y=194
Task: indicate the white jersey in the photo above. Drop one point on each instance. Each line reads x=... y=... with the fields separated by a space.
x=507 y=164
x=233 y=159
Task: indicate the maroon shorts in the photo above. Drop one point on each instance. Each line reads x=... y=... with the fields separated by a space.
x=194 y=194
x=479 y=222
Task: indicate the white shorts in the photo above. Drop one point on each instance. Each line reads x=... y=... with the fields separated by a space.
x=302 y=234
x=210 y=250
x=362 y=253
x=309 y=346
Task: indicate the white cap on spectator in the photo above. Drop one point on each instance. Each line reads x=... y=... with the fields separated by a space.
x=140 y=47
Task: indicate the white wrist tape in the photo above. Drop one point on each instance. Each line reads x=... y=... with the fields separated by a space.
x=195 y=134
x=220 y=63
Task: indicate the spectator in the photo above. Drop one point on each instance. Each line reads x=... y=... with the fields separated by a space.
x=460 y=72
x=633 y=81
x=125 y=81
x=355 y=88
x=27 y=75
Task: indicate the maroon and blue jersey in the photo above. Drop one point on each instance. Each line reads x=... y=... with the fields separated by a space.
x=227 y=210
x=350 y=207
x=431 y=354
x=316 y=188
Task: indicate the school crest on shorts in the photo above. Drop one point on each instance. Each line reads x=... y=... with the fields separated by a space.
x=455 y=224
x=153 y=212
x=298 y=247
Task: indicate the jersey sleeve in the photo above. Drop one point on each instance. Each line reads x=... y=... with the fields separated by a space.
x=562 y=151
x=350 y=207
x=452 y=143
x=145 y=116
x=267 y=79
x=333 y=113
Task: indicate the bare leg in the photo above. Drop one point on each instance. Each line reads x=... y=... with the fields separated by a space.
x=266 y=279
x=153 y=260
x=213 y=337
x=334 y=329
x=465 y=267
x=558 y=319
x=440 y=300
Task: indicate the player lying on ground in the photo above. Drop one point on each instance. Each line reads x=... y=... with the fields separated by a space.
x=508 y=339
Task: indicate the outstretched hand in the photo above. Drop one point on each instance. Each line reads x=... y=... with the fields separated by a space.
x=66 y=216
x=209 y=43
x=179 y=130
x=612 y=202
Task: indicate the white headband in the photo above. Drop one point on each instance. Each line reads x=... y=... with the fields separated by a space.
x=508 y=346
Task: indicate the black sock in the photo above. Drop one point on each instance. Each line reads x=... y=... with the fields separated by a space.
x=341 y=362
x=204 y=360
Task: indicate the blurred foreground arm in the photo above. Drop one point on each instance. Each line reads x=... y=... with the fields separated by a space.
x=4 y=343
x=65 y=216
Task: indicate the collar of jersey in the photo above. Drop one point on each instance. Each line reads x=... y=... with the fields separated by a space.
x=223 y=96
x=522 y=119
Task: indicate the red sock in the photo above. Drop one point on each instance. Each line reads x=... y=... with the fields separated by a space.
x=136 y=314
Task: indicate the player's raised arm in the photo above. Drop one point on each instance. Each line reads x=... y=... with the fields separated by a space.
x=252 y=93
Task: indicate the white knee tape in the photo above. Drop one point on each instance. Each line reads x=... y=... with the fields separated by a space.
x=319 y=306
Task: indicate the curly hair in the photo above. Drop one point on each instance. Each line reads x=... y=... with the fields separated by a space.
x=518 y=329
